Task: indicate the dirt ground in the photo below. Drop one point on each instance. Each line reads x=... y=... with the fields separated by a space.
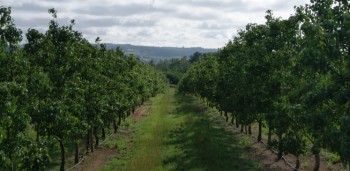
x=139 y=113
x=267 y=158
x=101 y=154
x=96 y=159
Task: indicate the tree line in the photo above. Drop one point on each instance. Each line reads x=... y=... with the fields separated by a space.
x=175 y=68
x=65 y=89
x=290 y=75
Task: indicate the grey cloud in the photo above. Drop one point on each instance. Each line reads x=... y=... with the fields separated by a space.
x=53 y=1
x=232 y=5
x=229 y=6
x=144 y=33
x=216 y=26
x=137 y=23
x=84 y=22
x=284 y=5
x=102 y=22
x=121 y=10
x=196 y=16
x=209 y=3
x=30 y=7
x=213 y=35
x=92 y=31
x=38 y=22
x=110 y=22
x=26 y=22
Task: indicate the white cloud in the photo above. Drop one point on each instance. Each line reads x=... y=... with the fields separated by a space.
x=205 y=23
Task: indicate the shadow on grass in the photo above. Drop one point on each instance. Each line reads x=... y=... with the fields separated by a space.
x=203 y=144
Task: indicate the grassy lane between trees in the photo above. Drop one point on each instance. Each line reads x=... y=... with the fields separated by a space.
x=181 y=134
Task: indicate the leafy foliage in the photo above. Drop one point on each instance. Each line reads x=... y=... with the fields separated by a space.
x=291 y=74
x=174 y=69
x=62 y=87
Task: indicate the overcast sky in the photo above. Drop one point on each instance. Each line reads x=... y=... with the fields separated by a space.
x=179 y=23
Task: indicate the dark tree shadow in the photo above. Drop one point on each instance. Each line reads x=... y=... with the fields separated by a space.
x=204 y=144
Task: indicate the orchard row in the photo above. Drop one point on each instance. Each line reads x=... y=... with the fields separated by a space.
x=65 y=89
x=292 y=75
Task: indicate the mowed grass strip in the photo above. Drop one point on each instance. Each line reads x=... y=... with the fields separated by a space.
x=180 y=133
x=202 y=142
x=150 y=135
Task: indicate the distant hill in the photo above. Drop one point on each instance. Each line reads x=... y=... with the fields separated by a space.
x=152 y=52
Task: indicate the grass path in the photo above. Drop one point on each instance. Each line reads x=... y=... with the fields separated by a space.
x=181 y=134
x=150 y=136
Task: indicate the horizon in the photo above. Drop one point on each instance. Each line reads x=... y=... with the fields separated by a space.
x=156 y=46
x=23 y=43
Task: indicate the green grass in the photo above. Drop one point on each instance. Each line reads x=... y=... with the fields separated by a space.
x=150 y=132
x=181 y=134
x=122 y=143
x=331 y=158
x=203 y=143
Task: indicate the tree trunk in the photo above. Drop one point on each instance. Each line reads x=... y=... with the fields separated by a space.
x=250 y=130
x=245 y=129
x=260 y=130
x=87 y=141
x=241 y=127
x=269 y=135
x=297 y=165
x=226 y=116
x=97 y=139
x=317 y=160
x=237 y=124
x=232 y=119
x=63 y=159
x=76 y=154
x=91 y=140
x=97 y=143
x=103 y=133
x=115 y=126
x=280 y=150
x=221 y=112
x=120 y=118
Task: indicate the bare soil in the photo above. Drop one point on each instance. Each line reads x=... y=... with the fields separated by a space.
x=267 y=158
x=101 y=155
x=96 y=159
x=139 y=113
